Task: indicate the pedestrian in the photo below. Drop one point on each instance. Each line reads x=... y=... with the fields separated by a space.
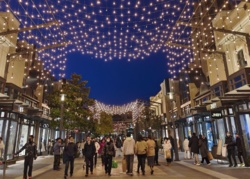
x=109 y=152
x=97 y=147
x=203 y=149
x=49 y=146
x=30 y=156
x=82 y=147
x=194 y=145
x=118 y=145
x=70 y=152
x=229 y=143
x=128 y=152
x=89 y=152
x=151 y=153
x=101 y=150
x=167 y=147
x=240 y=150
x=141 y=152
x=57 y=153
x=186 y=149
x=2 y=146
x=172 y=150
x=156 y=152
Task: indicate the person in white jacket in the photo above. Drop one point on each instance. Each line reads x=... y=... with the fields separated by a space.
x=97 y=147
x=2 y=146
x=167 y=150
x=186 y=149
x=128 y=152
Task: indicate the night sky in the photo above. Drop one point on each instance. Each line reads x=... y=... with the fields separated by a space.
x=118 y=82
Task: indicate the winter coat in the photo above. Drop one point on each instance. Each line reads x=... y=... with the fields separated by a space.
x=109 y=149
x=30 y=150
x=194 y=144
x=203 y=147
x=141 y=147
x=70 y=150
x=101 y=149
x=166 y=146
x=129 y=146
x=185 y=145
x=89 y=149
x=151 y=148
x=230 y=143
x=239 y=145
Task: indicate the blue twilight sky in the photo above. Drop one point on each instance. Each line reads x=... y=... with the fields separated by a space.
x=118 y=81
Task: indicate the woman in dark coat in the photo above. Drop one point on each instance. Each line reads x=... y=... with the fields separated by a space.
x=203 y=149
x=194 y=145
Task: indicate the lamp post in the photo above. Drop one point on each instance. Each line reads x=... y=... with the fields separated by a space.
x=61 y=114
x=171 y=97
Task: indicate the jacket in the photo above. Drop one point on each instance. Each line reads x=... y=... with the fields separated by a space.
x=129 y=146
x=151 y=147
x=30 y=150
x=194 y=144
x=141 y=147
x=230 y=143
x=89 y=149
x=167 y=146
x=109 y=149
x=70 y=149
x=238 y=144
x=203 y=147
x=185 y=145
x=57 y=148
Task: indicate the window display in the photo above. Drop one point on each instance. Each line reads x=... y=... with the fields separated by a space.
x=245 y=125
x=12 y=137
x=23 y=138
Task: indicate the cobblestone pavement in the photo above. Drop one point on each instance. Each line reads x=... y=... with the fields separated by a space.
x=181 y=169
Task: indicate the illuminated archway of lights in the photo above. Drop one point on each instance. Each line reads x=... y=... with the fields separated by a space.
x=135 y=107
x=104 y=29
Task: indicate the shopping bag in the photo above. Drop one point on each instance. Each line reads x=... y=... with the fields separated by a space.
x=210 y=156
x=114 y=164
x=168 y=154
x=224 y=151
x=124 y=165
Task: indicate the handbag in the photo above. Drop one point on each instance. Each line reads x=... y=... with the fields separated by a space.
x=224 y=151
x=210 y=156
x=168 y=154
x=114 y=164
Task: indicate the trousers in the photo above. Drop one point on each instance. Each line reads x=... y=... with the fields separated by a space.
x=28 y=163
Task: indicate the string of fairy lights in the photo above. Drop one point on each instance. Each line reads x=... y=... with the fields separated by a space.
x=123 y=29
x=136 y=107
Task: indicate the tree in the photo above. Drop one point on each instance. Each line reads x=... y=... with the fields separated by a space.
x=106 y=124
x=76 y=114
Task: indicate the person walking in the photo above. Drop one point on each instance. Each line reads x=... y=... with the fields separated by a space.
x=151 y=153
x=49 y=145
x=186 y=149
x=118 y=145
x=101 y=150
x=240 y=150
x=2 y=146
x=109 y=152
x=156 y=152
x=97 y=147
x=203 y=149
x=57 y=153
x=128 y=152
x=172 y=150
x=167 y=147
x=141 y=152
x=89 y=152
x=30 y=156
x=229 y=143
x=70 y=151
x=194 y=145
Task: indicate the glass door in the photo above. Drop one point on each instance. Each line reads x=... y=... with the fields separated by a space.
x=245 y=125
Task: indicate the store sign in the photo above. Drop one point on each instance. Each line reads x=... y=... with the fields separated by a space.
x=216 y=115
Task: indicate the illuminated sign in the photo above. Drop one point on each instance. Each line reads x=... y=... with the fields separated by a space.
x=216 y=115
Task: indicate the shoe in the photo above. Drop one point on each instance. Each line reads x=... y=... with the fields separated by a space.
x=65 y=176
x=138 y=171
x=143 y=173
x=198 y=164
x=86 y=175
x=91 y=173
x=71 y=174
x=152 y=172
x=243 y=165
x=230 y=165
x=30 y=177
x=209 y=164
x=109 y=174
x=235 y=165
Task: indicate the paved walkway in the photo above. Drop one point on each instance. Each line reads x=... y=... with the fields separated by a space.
x=181 y=169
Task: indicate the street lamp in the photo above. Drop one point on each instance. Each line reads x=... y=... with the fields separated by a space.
x=171 y=97
x=61 y=114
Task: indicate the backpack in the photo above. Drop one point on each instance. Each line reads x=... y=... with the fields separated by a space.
x=118 y=143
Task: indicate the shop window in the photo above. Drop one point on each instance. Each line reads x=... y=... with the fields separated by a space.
x=241 y=59
x=12 y=137
x=233 y=125
x=221 y=130
x=2 y=114
x=23 y=138
x=245 y=125
x=209 y=135
x=230 y=111
x=227 y=124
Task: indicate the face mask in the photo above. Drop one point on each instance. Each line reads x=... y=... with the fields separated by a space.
x=228 y=135
x=108 y=140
